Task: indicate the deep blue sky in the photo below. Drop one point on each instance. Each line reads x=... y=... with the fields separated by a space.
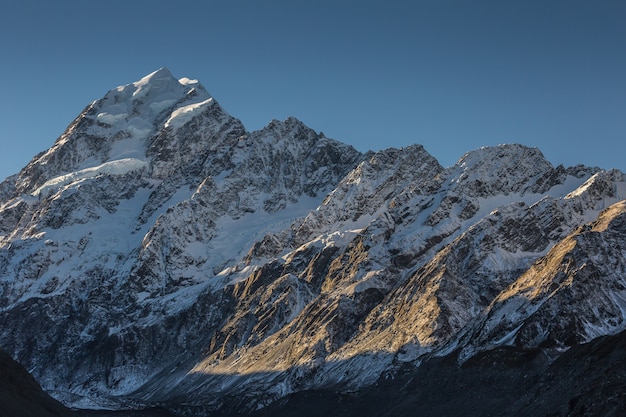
x=450 y=75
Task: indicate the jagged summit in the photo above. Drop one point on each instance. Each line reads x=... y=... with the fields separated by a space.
x=162 y=73
x=157 y=100
x=502 y=169
x=159 y=82
x=487 y=154
x=121 y=127
x=159 y=124
x=159 y=252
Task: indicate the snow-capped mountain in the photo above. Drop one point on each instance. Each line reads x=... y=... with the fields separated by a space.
x=159 y=253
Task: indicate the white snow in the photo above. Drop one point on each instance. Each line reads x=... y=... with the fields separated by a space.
x=111 y=118
x=235 y=237
x=119 y=167
x=583 y=188
x=187 y=81
x=132 y=147
x=339 y=238
x=163 y=102
x=149 y=97
x=139 y=127
x=184 y=114
x=155 y=83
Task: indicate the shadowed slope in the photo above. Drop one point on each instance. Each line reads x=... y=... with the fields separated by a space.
x=21 y=395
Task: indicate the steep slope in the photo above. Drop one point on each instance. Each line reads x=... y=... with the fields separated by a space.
x=20 y=395
x=577 y=292
x=160 y=254
x=456 y=284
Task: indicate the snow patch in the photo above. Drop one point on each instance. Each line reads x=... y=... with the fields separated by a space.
x=158 y=106
x=132 y=147
x=184 y=114
x=187 y=81
x=119 y=167
x=139 y=127
x=111 y=118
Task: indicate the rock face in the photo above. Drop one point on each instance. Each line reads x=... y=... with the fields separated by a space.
x=160 y=254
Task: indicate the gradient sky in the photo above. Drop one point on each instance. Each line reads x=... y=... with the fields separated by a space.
x=450 y=75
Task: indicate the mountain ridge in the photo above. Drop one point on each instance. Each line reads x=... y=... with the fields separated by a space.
x=160 y=254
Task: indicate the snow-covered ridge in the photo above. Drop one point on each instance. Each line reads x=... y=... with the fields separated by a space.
x=184 y=114
x=118 y=167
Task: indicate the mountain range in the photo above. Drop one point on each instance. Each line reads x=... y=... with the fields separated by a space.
x=161 y=255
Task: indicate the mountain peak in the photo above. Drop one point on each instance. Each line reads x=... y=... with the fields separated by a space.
x=505 y=167
x=147 y=100
x=163 y=78
x=160 y=74
x=160 y=85
x=489 y=155
x=121 y=126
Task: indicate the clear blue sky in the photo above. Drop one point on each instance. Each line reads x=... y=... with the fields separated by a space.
x=450 y=75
